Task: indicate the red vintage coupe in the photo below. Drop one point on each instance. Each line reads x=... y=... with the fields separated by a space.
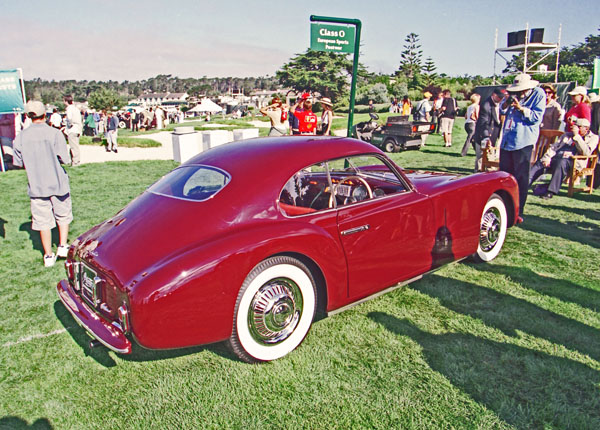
x=247 y=242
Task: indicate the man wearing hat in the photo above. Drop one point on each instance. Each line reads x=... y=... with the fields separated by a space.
x=524 y=110
x=487 y=128
x=557 y=159
x=41 y=149
x=422 y=113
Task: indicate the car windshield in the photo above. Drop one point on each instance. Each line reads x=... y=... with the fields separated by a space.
x=191 y=183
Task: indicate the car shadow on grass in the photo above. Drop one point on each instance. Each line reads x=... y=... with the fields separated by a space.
x=526 y=388
x=138 y=354
x=510 y=314
x=577 y=231
x=562 y=289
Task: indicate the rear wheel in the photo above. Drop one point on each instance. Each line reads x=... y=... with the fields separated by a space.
x=389 y=145
x=274 y=310
x=492 y=229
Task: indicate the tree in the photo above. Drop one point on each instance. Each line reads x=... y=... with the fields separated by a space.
x=410 y=64
x=568 y=73
x=106 y=99
x=377 y=92
x=325 y=72
x=429 y=74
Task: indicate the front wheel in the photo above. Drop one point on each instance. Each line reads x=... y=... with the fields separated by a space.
x=274 y=310
x=492 y=229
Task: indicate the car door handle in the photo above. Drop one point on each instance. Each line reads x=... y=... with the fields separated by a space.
x=356 y=230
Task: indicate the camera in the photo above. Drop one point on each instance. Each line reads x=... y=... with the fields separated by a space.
x=513 y=99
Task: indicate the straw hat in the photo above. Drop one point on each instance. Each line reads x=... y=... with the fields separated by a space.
x=522 y=82
x=326 y=101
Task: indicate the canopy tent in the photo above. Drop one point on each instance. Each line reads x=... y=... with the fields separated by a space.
x=206 y=105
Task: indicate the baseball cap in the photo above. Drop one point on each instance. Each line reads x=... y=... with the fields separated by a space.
x=35 y=107
x=578 y=91
x=582 y=122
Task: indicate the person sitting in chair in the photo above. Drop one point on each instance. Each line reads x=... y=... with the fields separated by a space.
x=557 y=159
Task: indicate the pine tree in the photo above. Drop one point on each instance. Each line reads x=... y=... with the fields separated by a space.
x=429 y=73
x=410 y=64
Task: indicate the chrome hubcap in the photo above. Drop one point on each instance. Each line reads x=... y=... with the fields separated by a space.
x=490 y=229
x=275 y=311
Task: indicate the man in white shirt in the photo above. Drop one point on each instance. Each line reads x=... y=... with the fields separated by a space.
x=73 y=129
x=55 y=119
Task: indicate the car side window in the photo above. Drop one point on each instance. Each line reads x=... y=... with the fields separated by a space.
x=338 y=182
x=363 y=177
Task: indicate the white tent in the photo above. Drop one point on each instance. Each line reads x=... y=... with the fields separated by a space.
x=206 y=105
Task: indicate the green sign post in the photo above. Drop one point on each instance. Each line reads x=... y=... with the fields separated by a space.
x=329 y=38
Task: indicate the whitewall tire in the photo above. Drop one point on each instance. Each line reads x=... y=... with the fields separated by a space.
x=274 y=310
x=492 y=229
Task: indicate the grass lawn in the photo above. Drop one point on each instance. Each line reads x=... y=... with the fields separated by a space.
x=510 y=344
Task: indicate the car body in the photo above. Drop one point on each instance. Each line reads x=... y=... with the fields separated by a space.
x=248 y=241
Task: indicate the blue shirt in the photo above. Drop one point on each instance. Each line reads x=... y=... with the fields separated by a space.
x=521 y=129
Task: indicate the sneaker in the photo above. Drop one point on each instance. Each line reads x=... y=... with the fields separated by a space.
x=62 y=251
x=49 y=260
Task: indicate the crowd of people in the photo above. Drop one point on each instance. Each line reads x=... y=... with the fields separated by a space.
x=299 y=118
x=513 y=117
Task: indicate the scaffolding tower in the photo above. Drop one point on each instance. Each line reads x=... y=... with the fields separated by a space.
x=529 y=40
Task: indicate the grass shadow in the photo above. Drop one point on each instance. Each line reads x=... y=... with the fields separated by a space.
x=509 y=314
x=588 y=213
x=562 y=289
x=80 y=336
x=526 y=388
x=576 y=231
x=17 y=423
x=34 y=236
x=138 y=353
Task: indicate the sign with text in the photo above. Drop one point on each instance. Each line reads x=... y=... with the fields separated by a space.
x=331 y=38
x=11 y=97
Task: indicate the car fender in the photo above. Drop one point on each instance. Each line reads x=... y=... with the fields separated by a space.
x=189 y=299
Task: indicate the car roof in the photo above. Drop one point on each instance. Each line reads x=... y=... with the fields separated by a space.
x=286 y=154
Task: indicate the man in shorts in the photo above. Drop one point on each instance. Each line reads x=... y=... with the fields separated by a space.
x=448 y=113
x=41 y=149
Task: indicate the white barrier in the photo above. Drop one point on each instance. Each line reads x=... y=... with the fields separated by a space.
x=245 y=133
x=212 y=138
x=186 y=143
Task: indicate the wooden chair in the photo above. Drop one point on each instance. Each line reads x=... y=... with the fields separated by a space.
x=490 y=158
x=545 y=139
x=586 y=173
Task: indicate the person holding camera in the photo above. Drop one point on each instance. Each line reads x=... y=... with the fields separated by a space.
x=524 y=110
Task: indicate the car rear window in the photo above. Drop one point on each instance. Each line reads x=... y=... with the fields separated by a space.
x=191 y=183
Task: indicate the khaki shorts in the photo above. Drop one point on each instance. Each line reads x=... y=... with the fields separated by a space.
x=47 y=211
x=446 y=125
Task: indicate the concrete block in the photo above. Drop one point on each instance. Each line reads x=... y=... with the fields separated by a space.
x=245 y=133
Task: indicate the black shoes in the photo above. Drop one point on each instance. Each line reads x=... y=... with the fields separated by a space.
x=547 y=196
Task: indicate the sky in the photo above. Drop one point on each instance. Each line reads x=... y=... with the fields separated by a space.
x=134 y=40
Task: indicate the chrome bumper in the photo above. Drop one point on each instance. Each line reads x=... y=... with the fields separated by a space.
x=105 y=333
